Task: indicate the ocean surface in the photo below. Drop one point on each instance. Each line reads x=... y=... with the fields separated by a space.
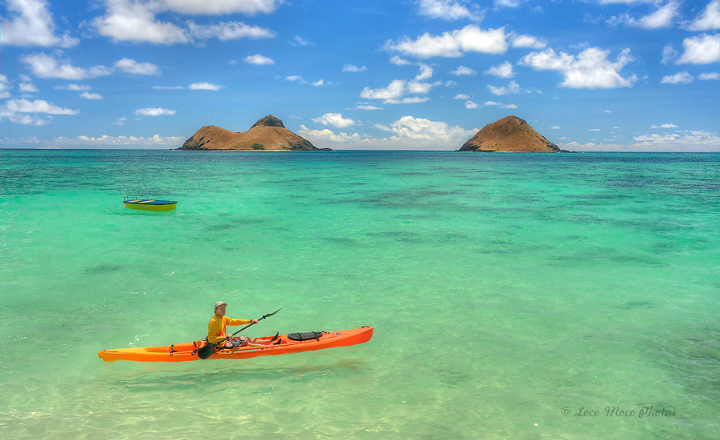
x=514 y=296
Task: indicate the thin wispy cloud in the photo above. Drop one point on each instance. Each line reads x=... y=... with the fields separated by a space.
x=353 y=68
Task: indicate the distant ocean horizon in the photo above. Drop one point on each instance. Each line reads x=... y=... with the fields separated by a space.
x=357 y=150
x=521 y=295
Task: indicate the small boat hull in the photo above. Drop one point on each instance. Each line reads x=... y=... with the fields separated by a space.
x=188 y=351
x=150 y=204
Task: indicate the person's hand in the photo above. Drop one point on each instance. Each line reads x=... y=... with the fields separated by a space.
x=254 y=321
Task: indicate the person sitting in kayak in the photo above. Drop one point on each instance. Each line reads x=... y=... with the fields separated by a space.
x=217 y=332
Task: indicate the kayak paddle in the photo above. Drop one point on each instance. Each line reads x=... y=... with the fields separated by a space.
x=208 y=349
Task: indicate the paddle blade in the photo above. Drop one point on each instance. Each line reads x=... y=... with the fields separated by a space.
x=205 y=351
x=270 y=314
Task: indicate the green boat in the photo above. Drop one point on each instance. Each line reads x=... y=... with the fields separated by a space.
x=149 y=204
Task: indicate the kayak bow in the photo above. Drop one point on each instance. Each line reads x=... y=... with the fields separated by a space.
x=288 y=344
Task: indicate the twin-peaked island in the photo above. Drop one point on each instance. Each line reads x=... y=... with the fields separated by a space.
x=268 y=133
x=508 y=135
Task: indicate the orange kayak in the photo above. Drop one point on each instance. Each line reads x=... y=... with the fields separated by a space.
x=284 y=344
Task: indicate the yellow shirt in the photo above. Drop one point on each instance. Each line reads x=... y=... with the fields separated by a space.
x=216 y=327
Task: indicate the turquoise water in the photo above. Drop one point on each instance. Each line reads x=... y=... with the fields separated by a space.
x=513 y=296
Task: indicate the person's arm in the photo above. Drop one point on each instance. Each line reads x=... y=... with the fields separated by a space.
x=234 y=322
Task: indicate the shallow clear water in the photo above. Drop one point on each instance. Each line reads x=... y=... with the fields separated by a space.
x=506 y=291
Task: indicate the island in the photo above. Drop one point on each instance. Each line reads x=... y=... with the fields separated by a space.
x=268 y=133
x=510 y=135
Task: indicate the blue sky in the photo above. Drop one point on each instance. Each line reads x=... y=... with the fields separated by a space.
x=590 y=75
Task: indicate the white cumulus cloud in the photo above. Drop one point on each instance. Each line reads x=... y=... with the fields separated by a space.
x=128 y=65
x=394 y=92
x=92 y=96
x=528 y=42
x=217 y=7
x=427 y=134
x=28 y=88
x=663 y=17
x=701 y=49
x=507 y=3
x=45 y=66
x=687 y=141
x=136 y=21
x=259 y=60
x=399 y=61
x=319 y=137
x=5 y=87
x=504 y=70
x=452 y=44
x=462 y=70
x=37 y=106
x=589 y=69
x=30 y=23
x=391 y=92
x=406 y=133
x=678 y=78
x=709 y=19
x=154 y=111
x=296 y=78
x=128 y=20
x=334 y=119
x=511 y=88
x=449 y=10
